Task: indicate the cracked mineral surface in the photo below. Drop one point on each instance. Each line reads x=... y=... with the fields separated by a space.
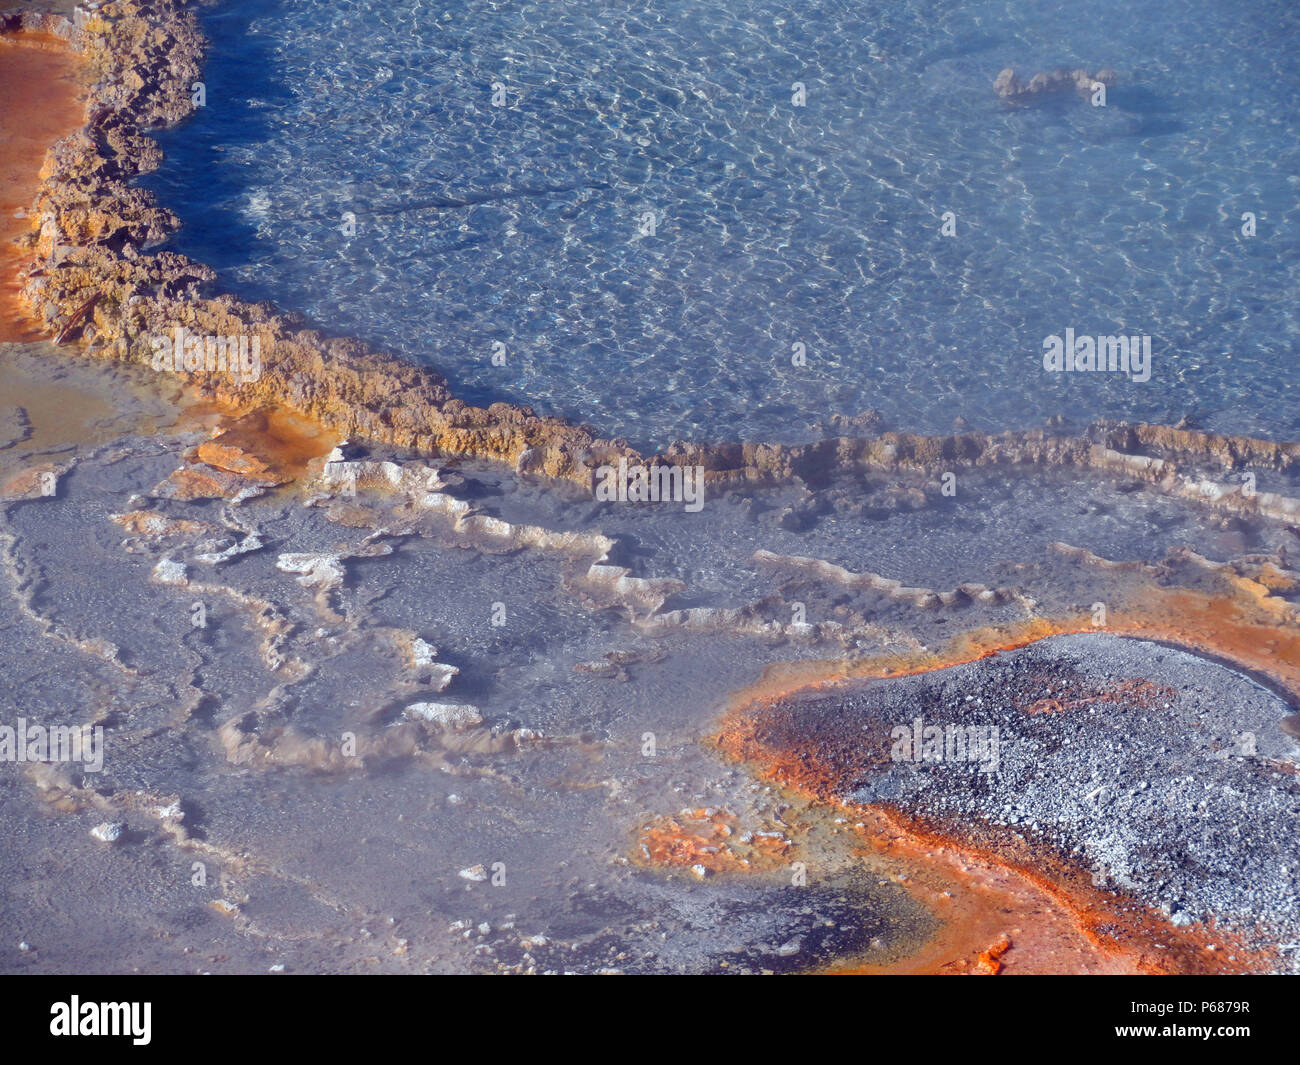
x=323 y=701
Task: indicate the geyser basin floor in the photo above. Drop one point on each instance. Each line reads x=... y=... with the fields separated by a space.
x=325 y=615
x=363 y=731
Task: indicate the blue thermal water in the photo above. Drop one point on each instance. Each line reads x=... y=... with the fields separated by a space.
x=521 y=230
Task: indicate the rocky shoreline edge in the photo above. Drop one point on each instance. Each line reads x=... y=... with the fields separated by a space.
x=94 y=279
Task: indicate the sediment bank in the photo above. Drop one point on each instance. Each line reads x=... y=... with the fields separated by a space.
x=42 y=86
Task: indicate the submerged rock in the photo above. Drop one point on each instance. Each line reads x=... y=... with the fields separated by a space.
x=1009 y=86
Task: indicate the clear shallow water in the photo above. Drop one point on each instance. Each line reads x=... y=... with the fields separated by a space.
x=774 y=225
